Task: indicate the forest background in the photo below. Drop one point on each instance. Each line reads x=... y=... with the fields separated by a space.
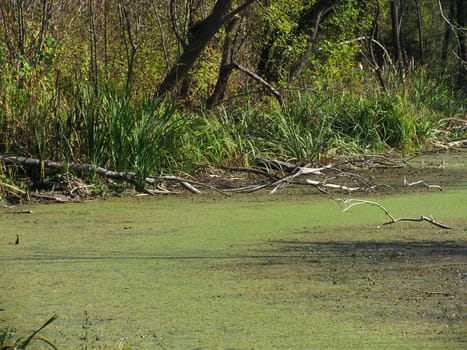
x=158 y=87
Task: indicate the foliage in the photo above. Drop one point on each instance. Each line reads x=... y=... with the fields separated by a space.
x=67 y=93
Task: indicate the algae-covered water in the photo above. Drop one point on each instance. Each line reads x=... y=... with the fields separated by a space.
x=245 y=272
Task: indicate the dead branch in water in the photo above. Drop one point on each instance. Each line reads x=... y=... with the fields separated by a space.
x=421 y=182
x=276 y=176
x=349 y=203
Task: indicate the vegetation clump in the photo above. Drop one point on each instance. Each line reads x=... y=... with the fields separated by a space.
x=166 y=88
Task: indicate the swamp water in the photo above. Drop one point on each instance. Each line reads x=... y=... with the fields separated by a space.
x=288 y=271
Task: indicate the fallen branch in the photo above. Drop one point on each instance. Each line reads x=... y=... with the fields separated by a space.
x=190 y=187
x=421 y=182
x=114 y=175
x=349 y=203
x=321 y=184
x=279 y=165
x=283 y=182
x=189 y=184
x=462 y=143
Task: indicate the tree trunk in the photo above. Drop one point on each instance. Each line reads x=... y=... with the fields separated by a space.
x=226 y=67
x=447 y=36
x=461 y=18
x=396 y=34
x=321 y=8
x=200 y=37
x=420 y=32
x=376 y=57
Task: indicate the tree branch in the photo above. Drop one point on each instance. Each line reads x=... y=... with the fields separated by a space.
x=260 y=80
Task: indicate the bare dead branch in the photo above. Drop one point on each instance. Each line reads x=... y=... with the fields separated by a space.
x=451 y=144
x=349 y=203
x=283 y=182
x=260 y=80
x=421 y=182
x=333 y=186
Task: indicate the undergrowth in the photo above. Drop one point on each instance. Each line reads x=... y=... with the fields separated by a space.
x=75 y=122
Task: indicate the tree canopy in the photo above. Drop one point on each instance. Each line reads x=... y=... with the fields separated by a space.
x=176 y=46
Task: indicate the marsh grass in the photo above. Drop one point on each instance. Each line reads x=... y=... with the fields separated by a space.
x=6 y=341
x=74 y=121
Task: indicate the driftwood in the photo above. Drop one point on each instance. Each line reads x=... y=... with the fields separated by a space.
x=275 y=182
x=277 y=175
x=349 y=203
x=282 y=183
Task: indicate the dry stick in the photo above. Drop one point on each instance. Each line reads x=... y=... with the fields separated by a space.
x=332 y=186
x=190 y=187
x=247 y=189
x=189 y=184
x=408 y=184
x=455 y=120
x=462 y=143
x=283 y=182
x=353 y=202
x=457 y=143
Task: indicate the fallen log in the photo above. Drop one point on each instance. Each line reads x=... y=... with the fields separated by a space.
x=114 y=175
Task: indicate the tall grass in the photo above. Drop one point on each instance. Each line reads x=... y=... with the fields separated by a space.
x=73 y=121
x=139 y=136
x=103 y=127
